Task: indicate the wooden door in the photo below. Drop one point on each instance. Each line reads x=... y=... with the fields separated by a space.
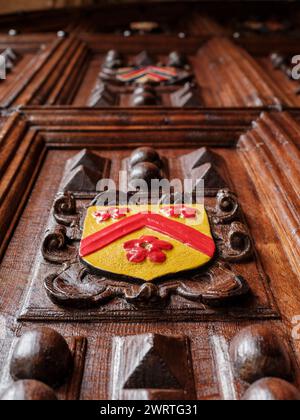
x=215 y=102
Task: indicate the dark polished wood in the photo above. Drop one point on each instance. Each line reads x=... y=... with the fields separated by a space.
x=231 y=117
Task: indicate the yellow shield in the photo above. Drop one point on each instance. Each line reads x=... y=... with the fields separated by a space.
x=146 y=242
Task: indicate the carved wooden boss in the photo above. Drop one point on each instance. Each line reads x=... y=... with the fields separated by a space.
x=145 y=261
x=149 y=299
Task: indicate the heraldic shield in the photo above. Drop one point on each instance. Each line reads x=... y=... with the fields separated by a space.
x=146 y=242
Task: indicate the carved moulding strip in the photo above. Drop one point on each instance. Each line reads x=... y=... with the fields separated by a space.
x=102 y=96
x=161 y=369
x=266 y=150
x=70 y=388
x=56 y=247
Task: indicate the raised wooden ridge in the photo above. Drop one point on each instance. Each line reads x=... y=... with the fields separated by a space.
x=272 y=158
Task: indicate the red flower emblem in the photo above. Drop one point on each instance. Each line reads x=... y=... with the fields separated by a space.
x=114 y=213
x=179 y=211
x=138 y=250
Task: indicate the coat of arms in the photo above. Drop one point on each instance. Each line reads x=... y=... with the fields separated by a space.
x=146 y=242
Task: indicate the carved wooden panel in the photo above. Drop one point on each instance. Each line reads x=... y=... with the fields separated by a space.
x=193 y=72
x=192 y=93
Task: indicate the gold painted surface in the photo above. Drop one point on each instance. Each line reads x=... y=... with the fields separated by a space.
x=113 y=258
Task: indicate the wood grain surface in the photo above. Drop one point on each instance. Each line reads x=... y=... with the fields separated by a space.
x=248 y=116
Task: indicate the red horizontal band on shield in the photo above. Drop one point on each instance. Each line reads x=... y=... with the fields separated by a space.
x=183 y=233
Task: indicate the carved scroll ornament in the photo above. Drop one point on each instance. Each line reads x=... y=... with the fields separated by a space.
x=258 y=352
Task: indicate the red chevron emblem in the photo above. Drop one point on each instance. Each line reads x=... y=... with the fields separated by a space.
x=120 y=229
